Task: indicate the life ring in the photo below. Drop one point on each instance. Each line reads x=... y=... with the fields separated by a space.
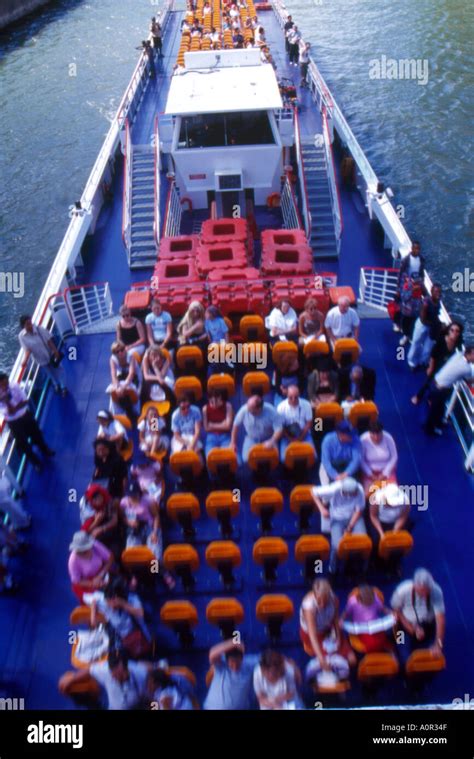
x=273 y=200
x=188 y=201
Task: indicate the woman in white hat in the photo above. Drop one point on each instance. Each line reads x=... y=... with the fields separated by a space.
x=89 y=563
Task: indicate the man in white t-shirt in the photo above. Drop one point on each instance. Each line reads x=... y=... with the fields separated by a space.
x=297 y=416
x=342 y=321
x=282 y=322
x=341 y=511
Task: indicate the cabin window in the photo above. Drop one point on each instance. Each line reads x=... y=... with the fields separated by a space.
x=215 y=130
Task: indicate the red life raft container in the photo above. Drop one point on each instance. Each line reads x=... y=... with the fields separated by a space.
x=175 y=271
x=292 y=260
x=221 y=256
x=227 y=230
x=241 y=297
x=176 y=298
x=182 y=246
x=236 y=275
x=277 y=237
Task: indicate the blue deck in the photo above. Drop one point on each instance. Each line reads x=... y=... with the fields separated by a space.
x=34 y=648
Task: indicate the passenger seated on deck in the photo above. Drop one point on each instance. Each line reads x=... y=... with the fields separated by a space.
x=419 y=606
x=123 y=612
x=89 y=564
x=232 y=683
x=342 y=321
x=262 y=424
x=319 y=627
x=169 y=692
x=311 y=323
x=356 y=383
x=131 y=332
x=124 y=388
x=323 y=385
x=98 y=514
x=340 y=454
x=218 y=416
x=216 y=327
x=389 y=508
x=363 y=606
x=158 y=376
x=159 y=325
x=124 y=681
x=149 y=475
x=152 y=440
x=379 y=456
x=282 y=322
x=297 y=417
x=142 y=520
x=192 y=329
x=109 y=468
x=111 y=429
x=186 y=424
x=276 y=680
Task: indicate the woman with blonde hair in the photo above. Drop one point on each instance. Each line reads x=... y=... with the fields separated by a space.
x=192 y=328
x=319 y=625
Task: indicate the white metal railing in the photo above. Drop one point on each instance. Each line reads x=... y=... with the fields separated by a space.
x=289 y=208
x=127 y=192
x=377 y=286
x=88 y=304
x=156 y=186
x=302 y=179
x=333 y=188
x=460 y=410
x=173 y=212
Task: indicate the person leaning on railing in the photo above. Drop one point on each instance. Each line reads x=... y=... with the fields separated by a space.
x=37 y=342
x=459 y=367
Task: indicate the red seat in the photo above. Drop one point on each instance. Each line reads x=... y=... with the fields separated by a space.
x=175 y=298
x=138 y=300
x=241 y=296
x=338 y=292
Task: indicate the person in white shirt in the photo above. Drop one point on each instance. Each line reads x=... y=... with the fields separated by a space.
x=389 y=508
x=37 y=342
x=282 y=322
x=342 y=321
x=346 y=505
x=297 y=417
x=459 y=367
x=111 y=429
x=276 y=680
x=419 y=605
x=304 y=48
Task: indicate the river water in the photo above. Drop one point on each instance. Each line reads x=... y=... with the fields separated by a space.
x=63 y=72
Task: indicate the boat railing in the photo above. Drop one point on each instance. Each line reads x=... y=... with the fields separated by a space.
x=333 y=186
x=127 y=192
x=302 y=178
x=460 y=411
x=156 y=184
x=173 y=211
x=289 y=206
x=88 y=305
x=377 y=286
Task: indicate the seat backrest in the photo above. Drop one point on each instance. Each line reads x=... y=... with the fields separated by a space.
x=354 y=545
x=224 y=609
x=124 y=421
x=274 y=605
x=282 y=348
x=183 y=461
x=270 y=548
x=330 y=411
x=261 y=456
x=81 y=615
x=180 y=554
x=223 y=382
x=377 y=665
x=137 y=556
x=252 y=328
x=221 y=499
x=256 y=383
x=264 y=498
x=300 y=497
x=189 y=358
x=299 y=453
x=183 y=502
x=395 y=543
x=346 y=349
x=363 y=411
x=86 y=687
x=223 y=551
x=219 y=459
x=162 y=407
x=315 y=348
x=311 y=545
x=179 y=612
x=424 y=661
x=184 y=385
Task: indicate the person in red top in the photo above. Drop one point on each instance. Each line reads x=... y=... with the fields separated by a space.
x=99 y=511
x=217 y=419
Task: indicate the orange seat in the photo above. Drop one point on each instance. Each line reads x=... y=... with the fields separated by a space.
x=162 y=408
x=273 y=610
x=138 y=558
x=184 y=508
x=263 y=460
x=354 y=547
x=302 y=504
x=300 y=457
x=315 y=349
x=281 y=349
x=223 y=382
x=375 y=666
x=329 y=414
x=221 y=462
x=362 y=414
x=137 y=300
x=395 y=544
x=185 y=385
x=182 y=559
x=256 y=383
x=308 y=550
x=270 y=553
x=265 y=503
x=82 y=615
x=124 y=421
x=221 y=505
x=189 y=358
x=346 y=350
x=225 y=613
x=181 y=616
x=424 y=662
x=186 y=464
x=224 y=555
x=252 y=328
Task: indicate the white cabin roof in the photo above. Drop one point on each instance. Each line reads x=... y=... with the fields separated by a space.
x=228 y=88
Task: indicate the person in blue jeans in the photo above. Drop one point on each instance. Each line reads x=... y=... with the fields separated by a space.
x=218 y=417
